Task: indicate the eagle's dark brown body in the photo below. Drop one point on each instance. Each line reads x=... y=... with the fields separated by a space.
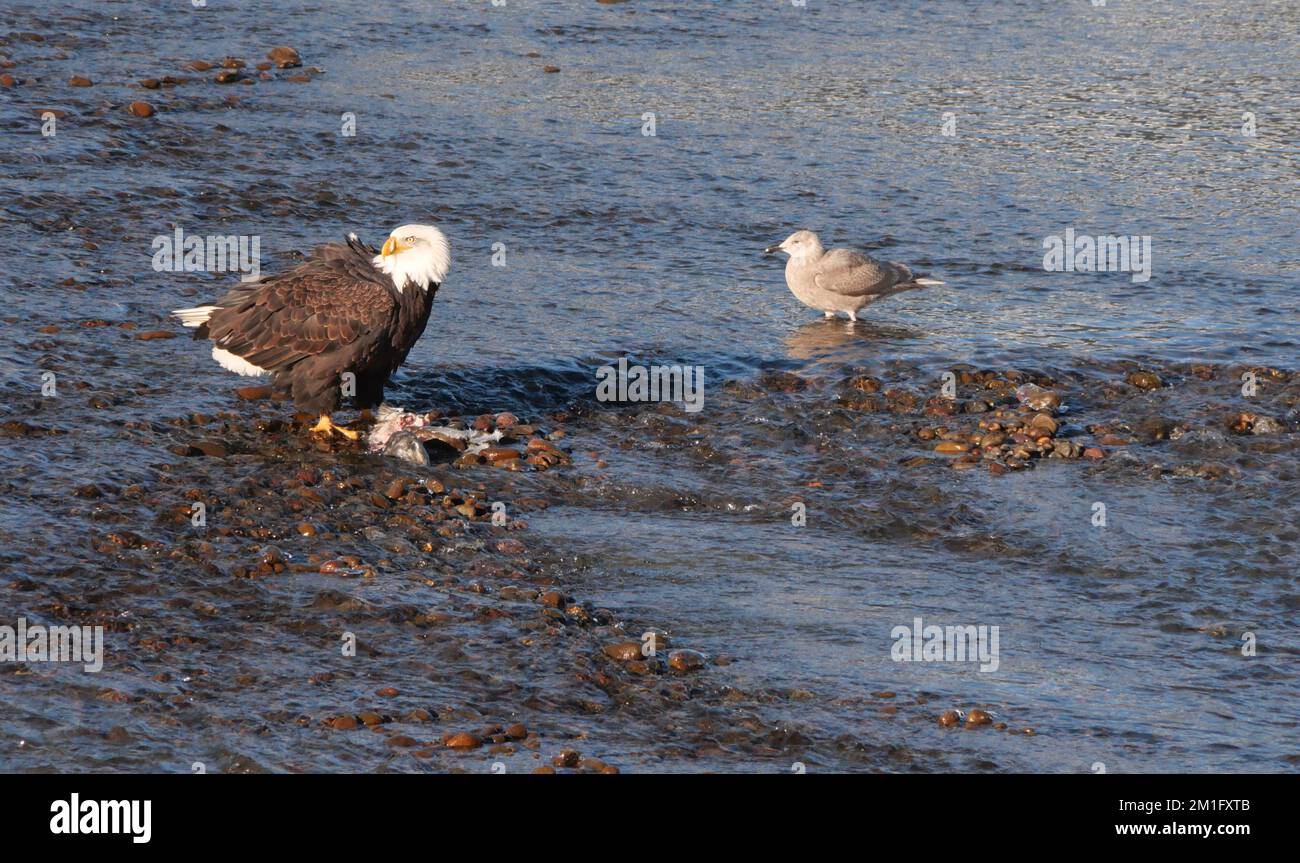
x=334 y=313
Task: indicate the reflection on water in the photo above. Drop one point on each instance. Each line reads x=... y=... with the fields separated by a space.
x=841 y=340
x=618 y=243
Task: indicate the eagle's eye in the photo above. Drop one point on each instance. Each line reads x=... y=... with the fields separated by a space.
x=410 y=241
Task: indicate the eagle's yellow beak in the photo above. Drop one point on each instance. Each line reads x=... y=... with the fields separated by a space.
x=392 y=247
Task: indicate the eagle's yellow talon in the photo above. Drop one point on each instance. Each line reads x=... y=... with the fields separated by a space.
x=325 y=425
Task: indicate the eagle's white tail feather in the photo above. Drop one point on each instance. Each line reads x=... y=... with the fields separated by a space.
x=195 y=317
x=235 y=363
x=929 y=282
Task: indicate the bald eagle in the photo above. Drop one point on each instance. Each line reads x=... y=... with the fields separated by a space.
x=349 y=308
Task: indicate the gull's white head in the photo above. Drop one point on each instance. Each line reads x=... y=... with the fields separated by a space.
x=419 y=254
x=801 y=245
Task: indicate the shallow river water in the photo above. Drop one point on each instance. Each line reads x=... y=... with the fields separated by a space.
x=1119 y=643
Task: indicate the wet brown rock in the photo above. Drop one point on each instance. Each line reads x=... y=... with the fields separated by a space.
x=402 y=741
x=567 y=758
x=1044 y=424
x=978 y=717
x=228 y=76
x=1037 y=398
x=7 y=80
x=865 y=383
x=550 y=70
x=498 y=454
x=1094 y=452
x=343 y=723
x=544 y=770
x=141 y=109
x=686 y=660
x=153 y=335
x=506 y=420
x=1155 y=428
x=386 y=692
x=212 y=448
x=510 y=546
x=284 y=57
x=622 y=651
x=462 y=740
x=952 y=446
x=249 y=394
x=949 y=718
x=80 y=81
x=517 y=731
x=1143 y=380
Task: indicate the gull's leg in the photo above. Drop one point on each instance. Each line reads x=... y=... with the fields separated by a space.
x=325 y=425
x=853 y=316
x=829 y=314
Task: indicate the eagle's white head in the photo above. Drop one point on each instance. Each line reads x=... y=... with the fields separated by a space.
x=416 y=253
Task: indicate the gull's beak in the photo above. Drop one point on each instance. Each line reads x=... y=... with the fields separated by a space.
x=772 y=250
x=392 y=247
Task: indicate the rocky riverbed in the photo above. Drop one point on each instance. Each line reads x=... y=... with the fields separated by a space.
x=511 y=574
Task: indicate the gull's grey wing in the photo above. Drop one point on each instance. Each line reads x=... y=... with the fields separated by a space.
x=855 y=274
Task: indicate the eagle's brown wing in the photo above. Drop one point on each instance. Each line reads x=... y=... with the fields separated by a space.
x=334 y=299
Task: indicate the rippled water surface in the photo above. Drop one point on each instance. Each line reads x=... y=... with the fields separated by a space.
x=1119 y=644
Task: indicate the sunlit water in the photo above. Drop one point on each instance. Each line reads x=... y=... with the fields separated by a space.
x=1119 y=645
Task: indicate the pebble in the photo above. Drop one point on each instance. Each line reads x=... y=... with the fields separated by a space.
x=949 y=718
x=622 y=651
x=462 y=740
x=567 y=758
x=1144 y=380
x=141 y=109
x=978 y=717
x=1044 y=423
x=1037 y=398
x=952 y=446
x=80 y=81
x=686 y=660
x=284 y=57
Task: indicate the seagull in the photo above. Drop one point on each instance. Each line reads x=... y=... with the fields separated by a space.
x=841 y=280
